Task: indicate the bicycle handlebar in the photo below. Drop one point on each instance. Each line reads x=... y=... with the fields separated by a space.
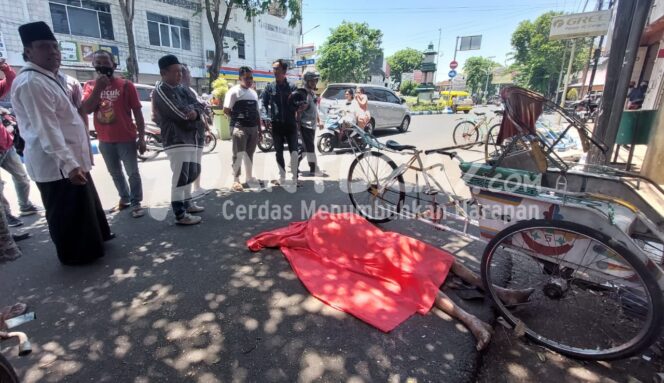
x=441 y=151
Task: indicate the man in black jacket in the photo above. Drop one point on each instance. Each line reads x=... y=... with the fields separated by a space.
x=284 y=125
x=180 y=118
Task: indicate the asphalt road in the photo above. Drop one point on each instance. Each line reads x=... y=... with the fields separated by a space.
x=193 y=304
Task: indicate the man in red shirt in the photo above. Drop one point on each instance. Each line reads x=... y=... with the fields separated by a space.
x=112 y=100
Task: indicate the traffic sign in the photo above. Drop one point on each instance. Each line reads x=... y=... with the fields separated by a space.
x=305 y=62
x=452 y=73
x=453 y=64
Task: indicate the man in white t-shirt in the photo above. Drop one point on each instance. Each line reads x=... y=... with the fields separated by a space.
x=241 y=105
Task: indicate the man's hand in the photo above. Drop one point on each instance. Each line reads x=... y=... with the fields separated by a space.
x=320 y=126
x=102 y=81
x=77 y=177
x=192 y=115
x=142 y=147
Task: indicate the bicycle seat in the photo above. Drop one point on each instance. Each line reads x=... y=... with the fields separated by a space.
x=391 y=144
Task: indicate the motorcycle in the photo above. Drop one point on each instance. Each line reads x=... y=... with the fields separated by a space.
x=265 y=140
x=337 y=133
x=585 y=109
x=154 y=144
x=7 y=373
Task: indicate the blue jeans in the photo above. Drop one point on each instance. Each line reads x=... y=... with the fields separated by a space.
x=11 y=162
x=117 y=154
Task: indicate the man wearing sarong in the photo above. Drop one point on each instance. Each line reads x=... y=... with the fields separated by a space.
x=57 y=150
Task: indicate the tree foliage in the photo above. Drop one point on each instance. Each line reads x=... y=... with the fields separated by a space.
x=349 y=51
x=477 y=69
x=405 y=60
x=252 y=8
x=538 y=59
x=408 y=87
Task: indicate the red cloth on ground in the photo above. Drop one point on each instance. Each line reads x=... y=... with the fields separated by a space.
x=380 y=277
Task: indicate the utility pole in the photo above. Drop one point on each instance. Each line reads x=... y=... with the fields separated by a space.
x=569 y=73
x=440 y=32
x=560 y=75
x=631 y=17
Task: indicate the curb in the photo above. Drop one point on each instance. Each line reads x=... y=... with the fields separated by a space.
x=428 y=112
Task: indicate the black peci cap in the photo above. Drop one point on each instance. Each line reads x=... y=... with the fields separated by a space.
x=35 y=31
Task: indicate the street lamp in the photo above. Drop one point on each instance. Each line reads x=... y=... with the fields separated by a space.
x=302 y=35
x=486 y=85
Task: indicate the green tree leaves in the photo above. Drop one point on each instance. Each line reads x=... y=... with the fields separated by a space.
x=540 y=60
x=405 y=60
x=348 y=52
x=476 y=70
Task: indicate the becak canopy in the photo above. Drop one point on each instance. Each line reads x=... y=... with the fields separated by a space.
x=378 y=276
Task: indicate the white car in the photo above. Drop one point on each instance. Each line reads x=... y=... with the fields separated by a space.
x=387 y=109
x=144 y=95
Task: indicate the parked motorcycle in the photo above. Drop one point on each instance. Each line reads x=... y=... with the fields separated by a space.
x=337 y=133
x=585 y=109
x=7 y=373
x=154 y=144
x=265 y=140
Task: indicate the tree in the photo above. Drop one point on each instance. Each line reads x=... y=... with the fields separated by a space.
x=127 y=8
x=405 y=60
x=251 y=8
x=538 y=59
x=408 y=87
x=348 y=52
x=476 y=70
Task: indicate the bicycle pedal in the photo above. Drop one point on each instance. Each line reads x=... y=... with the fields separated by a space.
x=429 y=191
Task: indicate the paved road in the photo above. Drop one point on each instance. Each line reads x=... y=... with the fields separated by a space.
x=170 y=303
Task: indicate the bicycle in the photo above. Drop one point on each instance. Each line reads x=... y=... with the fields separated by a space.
x=597 y=285
x=468 y=131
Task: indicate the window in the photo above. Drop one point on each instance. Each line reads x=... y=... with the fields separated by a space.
x=82 y=18
x=334 y=93
x=376 y=94
x=240 y=49
x=168 y=31
x=392 y=98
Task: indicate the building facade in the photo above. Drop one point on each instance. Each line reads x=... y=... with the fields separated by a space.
x=160 y=27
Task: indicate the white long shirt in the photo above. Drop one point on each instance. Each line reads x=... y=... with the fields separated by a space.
x=56 y=139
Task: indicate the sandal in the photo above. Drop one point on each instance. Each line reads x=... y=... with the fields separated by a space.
x=137 y=212
x=237 y=187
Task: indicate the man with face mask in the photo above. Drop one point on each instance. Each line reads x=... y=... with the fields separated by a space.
x=57 y=150
x=112 y=100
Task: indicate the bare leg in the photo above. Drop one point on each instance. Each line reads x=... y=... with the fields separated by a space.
x=508 y=296
x=481 y=330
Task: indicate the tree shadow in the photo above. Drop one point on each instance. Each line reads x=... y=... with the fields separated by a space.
x=194 y=304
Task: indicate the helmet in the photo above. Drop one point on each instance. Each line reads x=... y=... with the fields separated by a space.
x=311 y=76
x=297 y=98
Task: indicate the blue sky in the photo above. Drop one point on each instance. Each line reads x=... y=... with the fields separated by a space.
x=415 y=23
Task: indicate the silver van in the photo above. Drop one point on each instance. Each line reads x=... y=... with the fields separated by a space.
x=387 y=109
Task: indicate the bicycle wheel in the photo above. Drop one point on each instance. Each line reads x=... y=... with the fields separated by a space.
x=593 y=298
x=465 y=132
x=491 y=148
x=210 y=142
x=374 y=191
x=153 y=147
x=265 y=141
x=7 y=373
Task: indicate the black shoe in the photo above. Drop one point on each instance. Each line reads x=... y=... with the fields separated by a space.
x=20 y=237
x=13 y=221
x=110 y=236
